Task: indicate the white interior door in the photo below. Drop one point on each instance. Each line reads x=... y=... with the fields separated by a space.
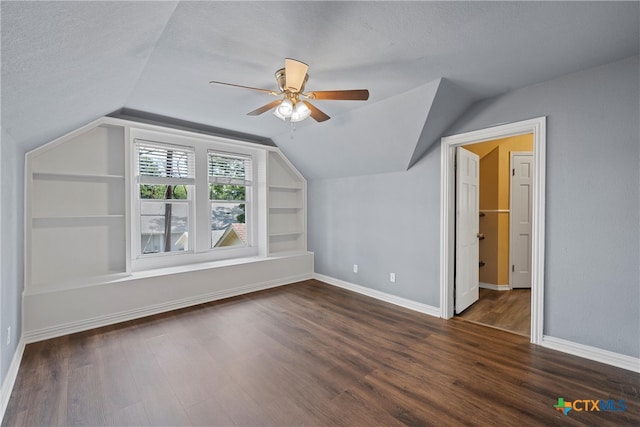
x=520 y=224
x=467 y=225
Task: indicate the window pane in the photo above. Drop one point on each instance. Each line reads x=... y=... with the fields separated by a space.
x=229 y=166
x=228 y=226
x=153 y=220
x=165 y=161
x=160 y=192
x=227 y=192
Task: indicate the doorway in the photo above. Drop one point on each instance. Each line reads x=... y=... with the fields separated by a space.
x=502 y=235
x=448 y=151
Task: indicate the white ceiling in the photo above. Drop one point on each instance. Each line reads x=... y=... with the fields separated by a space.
x=67 y=63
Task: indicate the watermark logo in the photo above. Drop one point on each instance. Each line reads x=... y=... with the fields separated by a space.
x=563 y=406
x=589 y=405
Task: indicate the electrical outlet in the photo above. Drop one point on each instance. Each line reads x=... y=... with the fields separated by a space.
x=392 y=277
x=355 y=268
x=8 y=335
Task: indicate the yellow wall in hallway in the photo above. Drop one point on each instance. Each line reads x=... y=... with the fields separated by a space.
x=494 y=196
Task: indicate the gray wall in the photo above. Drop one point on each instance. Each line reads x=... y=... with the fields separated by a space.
x=384 y=223
x=592 y=280
x=11 y=247
x=2 y=355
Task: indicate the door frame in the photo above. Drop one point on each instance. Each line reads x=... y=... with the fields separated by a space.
x=537 y=127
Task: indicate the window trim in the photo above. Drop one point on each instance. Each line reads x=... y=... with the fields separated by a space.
x=247 y=183
x=200 y=249
x=139 y=179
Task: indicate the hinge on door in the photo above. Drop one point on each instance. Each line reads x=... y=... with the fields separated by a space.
x=513 y=172
x=513 y=268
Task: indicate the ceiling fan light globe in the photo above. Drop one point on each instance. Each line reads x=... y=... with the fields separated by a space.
x=285 y=108
x=300 y=112
x=276 y=113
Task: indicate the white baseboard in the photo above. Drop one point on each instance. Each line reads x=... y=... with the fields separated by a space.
x=494 y=287
x=383 y=296
x=10 y=379
x=592 y=353
x=96 y=322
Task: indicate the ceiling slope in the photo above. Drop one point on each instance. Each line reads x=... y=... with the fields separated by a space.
x=388 y=136
x=388 y=47
x=64 y=64
x=375 y=138
x=450 y=102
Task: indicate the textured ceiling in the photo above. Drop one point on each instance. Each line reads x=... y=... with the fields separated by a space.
x=67 y=63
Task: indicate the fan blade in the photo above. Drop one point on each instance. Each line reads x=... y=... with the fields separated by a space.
x=270 y=92
x=265 y=108
x=295 y=72
x=317 y=115
x=349 y=95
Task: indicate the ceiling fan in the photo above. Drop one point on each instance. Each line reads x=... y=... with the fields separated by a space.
x=291 y=80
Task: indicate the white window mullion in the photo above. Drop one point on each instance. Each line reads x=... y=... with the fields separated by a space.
x=161 y=180
x=202 y=208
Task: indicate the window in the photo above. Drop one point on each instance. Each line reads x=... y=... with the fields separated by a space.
x=229 y=196
x=165 y=180
x=193 y=200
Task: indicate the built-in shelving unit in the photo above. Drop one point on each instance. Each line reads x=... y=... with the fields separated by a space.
x=287 y=206
x=76 y=208
x=81 y=220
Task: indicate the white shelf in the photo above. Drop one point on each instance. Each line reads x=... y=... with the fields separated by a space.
x=70 y=221
x=285 y=208
x=74 y=217
x=76 y=221
x=286 y=234
x=289 y=187
x=55 y=176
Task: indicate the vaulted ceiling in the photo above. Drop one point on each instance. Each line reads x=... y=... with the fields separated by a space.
x=65 y=64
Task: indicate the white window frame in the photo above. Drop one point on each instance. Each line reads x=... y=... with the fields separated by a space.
x=247 y=183
x=200 y=249
x=188 y=181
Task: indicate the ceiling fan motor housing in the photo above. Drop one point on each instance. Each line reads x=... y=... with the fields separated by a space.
x=282 y=81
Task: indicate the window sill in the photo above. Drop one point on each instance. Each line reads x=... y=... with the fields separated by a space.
x=186 y=259
x=122 y=277
x=195 y=266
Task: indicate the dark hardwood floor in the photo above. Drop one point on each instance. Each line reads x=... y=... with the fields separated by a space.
x=308 y=354
x=506 y=310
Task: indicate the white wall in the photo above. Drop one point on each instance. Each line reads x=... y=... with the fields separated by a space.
x=390 y=222
x=63 y=311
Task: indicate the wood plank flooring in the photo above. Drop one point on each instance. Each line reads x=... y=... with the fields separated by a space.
x=308 y=354
x=506 y=310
